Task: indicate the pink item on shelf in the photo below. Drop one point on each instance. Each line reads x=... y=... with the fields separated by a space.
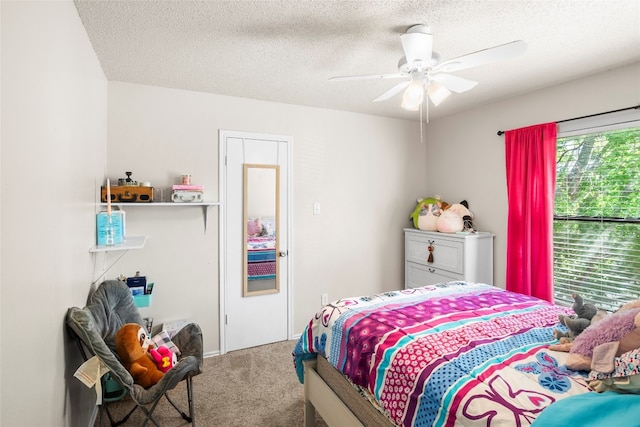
x=188 y=187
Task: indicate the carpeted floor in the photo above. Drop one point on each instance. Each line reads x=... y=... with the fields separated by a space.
x=252 y=387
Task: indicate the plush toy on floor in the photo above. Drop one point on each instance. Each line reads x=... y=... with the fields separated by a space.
x=131 y=345
x=165 y=359
x=584 y=313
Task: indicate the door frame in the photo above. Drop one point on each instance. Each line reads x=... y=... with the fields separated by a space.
x=223 y=134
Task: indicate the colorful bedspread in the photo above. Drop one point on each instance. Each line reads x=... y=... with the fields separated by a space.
x=261 y=254
x=458 y=353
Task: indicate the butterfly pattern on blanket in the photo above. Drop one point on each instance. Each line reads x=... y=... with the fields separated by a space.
x=464 y=352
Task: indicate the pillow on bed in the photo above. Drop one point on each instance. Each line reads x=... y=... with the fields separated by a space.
x=625 y=365
x=625 y=376
x=162 y=338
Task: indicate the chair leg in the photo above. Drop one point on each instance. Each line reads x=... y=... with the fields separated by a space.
x=190 y=399
x=111 y=420
x=149 y=413
x=190 y=418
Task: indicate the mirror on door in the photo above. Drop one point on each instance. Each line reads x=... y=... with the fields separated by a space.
x=261 y=201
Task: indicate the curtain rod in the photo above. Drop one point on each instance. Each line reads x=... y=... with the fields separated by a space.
x=501 y=132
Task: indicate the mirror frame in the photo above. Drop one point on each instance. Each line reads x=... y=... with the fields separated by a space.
x=246 y=292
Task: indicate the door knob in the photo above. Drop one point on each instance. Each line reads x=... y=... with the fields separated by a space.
x=283 y=254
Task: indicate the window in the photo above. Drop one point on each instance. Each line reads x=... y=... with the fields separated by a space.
x=597 y=211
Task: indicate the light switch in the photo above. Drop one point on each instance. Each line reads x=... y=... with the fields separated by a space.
x=316 y=208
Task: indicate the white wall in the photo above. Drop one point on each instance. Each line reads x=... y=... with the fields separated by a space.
x=365 y=171
x=54 y=97
x=466 y=157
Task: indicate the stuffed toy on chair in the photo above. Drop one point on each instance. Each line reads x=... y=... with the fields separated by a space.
x=165 y=359
x=131 y=346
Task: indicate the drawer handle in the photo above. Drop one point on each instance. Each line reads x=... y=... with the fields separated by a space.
x=432 y=270
x=430 y=248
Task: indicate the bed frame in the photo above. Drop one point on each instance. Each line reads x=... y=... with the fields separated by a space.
x=327 y=391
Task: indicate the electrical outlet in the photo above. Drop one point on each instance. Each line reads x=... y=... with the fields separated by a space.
x=316 y=208
x=324 y=299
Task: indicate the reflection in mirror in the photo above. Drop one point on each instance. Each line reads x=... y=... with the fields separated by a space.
x=261 y=201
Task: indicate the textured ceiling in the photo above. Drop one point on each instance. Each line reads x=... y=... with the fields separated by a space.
x=285 y=51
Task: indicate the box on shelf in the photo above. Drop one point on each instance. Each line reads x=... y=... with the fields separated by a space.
x=183 y=187
x=187 y=193
x=127 y=194
x=187 y=196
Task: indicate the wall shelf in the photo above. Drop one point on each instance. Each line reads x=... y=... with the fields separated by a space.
x=204 y=205
x=157 y=204
x=131 y=242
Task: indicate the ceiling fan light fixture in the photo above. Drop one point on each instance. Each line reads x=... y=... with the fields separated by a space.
x=417 y=44
x=429 y=74
x=437 y=93
x=413 y=96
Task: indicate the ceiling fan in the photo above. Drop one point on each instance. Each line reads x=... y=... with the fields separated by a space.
x=426 y=71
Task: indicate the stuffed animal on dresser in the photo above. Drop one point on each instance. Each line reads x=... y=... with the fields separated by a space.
x=454 y=217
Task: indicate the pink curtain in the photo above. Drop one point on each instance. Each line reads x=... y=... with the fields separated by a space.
x=531 y=179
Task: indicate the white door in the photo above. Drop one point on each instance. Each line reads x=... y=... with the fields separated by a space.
x=254 y=318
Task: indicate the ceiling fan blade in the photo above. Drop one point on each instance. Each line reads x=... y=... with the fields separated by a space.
x=393 y=91
x=454 y=83
x=417 y=47
x=485 y=56
x=370 y=77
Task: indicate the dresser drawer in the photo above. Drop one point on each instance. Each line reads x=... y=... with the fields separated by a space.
x=448 y=254
x=418 y=275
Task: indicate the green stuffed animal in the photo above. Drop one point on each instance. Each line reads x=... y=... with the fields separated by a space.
x=423 y=203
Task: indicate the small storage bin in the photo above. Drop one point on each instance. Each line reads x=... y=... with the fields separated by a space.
x=142 y=300
x=111 y=389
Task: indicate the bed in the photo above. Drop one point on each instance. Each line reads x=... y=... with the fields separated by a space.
x=455 y=353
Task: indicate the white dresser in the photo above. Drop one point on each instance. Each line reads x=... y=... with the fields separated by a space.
x=453 y=257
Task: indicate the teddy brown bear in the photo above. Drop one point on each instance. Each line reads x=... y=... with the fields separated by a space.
x=131 y=346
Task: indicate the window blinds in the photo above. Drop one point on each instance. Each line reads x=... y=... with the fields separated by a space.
x=597 y=210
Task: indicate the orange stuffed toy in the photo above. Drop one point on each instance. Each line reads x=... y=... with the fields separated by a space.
x=131 y=346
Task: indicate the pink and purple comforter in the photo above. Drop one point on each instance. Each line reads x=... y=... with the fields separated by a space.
x=449 y=354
